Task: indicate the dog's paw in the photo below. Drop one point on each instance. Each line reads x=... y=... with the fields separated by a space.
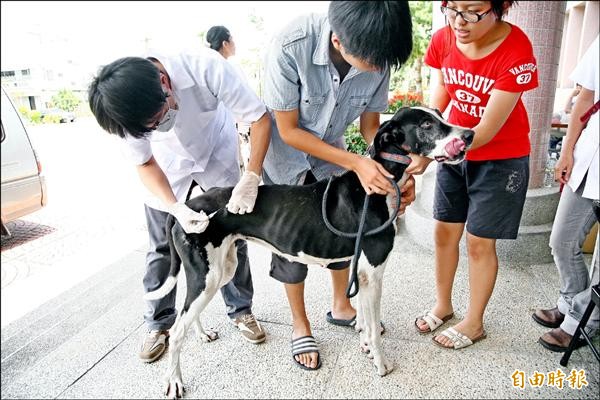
x=208 y=336
x=364 y=347
x=174 y=388
x=384 y=367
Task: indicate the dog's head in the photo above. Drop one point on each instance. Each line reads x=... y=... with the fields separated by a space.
x=422 y=131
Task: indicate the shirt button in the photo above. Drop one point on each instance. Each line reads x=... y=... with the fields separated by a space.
x=337 y=104
x=330 y=126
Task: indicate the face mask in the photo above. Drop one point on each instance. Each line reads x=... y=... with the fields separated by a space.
x=168 y=121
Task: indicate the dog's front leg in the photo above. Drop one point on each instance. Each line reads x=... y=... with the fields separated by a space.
x=369 y=298
x=207 y=335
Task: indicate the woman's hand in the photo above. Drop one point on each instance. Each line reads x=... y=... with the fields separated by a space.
x=418 y=165
x=407 y=195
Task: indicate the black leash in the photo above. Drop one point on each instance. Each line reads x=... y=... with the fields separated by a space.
x=353 y=283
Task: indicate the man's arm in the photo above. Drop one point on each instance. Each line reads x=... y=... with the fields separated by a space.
x=156 y=182
x=564 y=166
x=260 y=138
x=243 y=196
x=370 y=173
x=369 y=124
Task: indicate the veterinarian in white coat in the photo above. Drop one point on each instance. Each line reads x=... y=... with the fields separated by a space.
x=578 y=169
x=174 y=112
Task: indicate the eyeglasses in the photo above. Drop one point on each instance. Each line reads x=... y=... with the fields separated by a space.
x=468 y=16
x=164 y=111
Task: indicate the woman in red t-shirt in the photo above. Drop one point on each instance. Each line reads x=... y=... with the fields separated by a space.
x=484 y=65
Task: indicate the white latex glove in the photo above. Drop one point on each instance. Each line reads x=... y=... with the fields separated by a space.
x=244 y=194
x=190 y=220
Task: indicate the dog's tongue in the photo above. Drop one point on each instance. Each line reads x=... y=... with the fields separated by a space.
x=454 y=147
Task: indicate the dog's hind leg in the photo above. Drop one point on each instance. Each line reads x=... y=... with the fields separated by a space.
x=177 y=335
x=174 y=387
x=369 y=298
x=202 y=285
x=228 y=255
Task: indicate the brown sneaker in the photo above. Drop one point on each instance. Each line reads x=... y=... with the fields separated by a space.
x=250 y=328
x=154 y=345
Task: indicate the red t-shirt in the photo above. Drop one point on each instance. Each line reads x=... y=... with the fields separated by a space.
x=511 y=67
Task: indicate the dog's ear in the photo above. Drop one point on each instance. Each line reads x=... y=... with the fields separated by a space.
x=384 y=126
x=389 y=132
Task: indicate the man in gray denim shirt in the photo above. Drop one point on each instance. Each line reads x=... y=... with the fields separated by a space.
x=322 y=73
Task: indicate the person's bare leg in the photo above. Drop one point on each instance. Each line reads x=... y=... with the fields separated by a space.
x=483 y=269
x=300 y=323
x=341 y=307
x=447 y=237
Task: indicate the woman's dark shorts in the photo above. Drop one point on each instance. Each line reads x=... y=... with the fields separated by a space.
x=290 y=271
x=487 y=195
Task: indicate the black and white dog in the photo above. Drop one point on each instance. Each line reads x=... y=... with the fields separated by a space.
x=289 y=222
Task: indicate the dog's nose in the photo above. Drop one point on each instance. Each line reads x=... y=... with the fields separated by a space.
x=468 y=136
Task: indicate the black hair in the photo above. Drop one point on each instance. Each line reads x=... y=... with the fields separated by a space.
x=497 y=6
x=216 y=35
x=125 y=95
x=377 y=32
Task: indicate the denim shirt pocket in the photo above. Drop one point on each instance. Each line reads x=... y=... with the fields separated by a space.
x=357 y=106
x=309 y=108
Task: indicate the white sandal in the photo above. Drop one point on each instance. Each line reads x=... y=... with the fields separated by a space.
x=432 y=321
x=458 y=340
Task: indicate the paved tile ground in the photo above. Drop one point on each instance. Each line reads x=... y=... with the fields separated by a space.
x=84 y=343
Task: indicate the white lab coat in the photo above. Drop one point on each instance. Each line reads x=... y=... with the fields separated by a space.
x=585 y=154
x=203 y=143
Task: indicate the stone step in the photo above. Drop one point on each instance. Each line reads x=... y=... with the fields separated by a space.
x=39 y=333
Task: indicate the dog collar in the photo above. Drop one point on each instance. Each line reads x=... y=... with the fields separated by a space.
x=397 y=158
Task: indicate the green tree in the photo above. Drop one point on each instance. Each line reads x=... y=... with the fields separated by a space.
x=65 y=100
x=202 y=36
x=421 y=13
x=254 y=65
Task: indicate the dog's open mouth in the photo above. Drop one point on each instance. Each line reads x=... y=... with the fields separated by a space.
x=453 y=150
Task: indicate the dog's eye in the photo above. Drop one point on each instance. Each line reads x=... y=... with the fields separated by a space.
x=426 y=124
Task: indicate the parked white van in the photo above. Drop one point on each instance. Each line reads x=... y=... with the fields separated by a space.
x=23 y=185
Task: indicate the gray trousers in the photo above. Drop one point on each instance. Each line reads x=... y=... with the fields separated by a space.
x=161 y=313
x=573 y=221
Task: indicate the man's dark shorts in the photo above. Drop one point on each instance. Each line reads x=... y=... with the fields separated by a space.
x=294 y=272
x=488 y=195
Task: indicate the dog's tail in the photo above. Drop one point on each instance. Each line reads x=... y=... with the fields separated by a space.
x=171 y=281
x=163 y=290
